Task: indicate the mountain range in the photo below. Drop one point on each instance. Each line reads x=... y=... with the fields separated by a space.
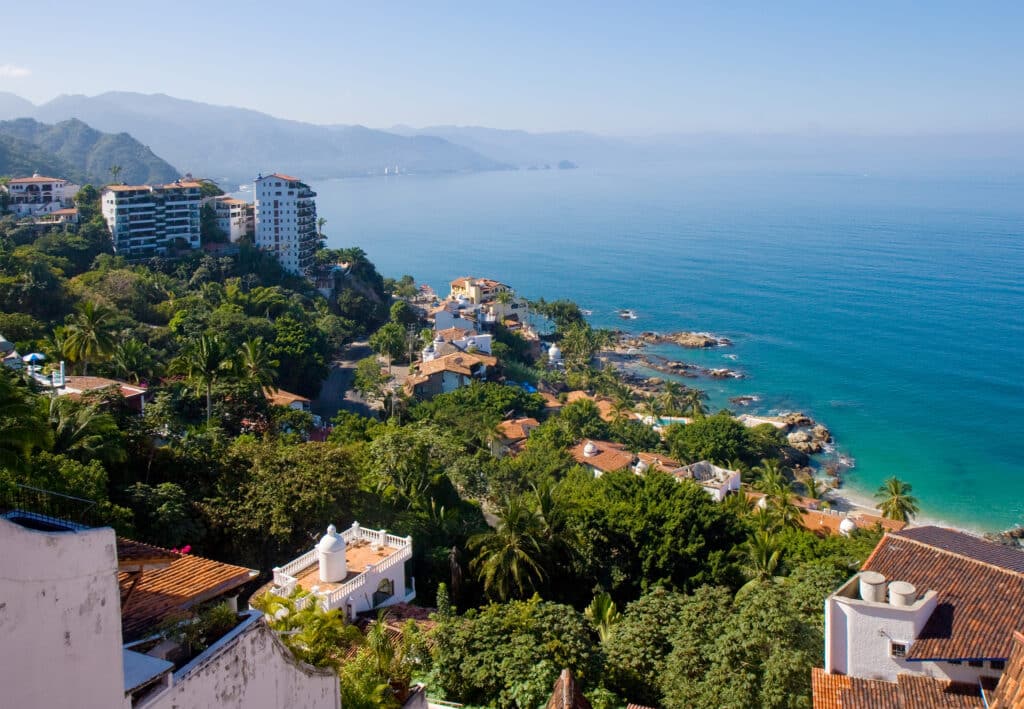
x=74 y=150
x=231 y=145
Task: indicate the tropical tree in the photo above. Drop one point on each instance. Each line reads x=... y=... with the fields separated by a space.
x=21 y=428
x=314 y=635
x=761 y=558
x=255 y=366
x=114 y=171
x=603 y=614
x=84 y=431
x=389 y=341
x=90 y=335
x=133 y=360
x=693 y=402
x=672 y=399
x=205 y=363
x=510 y=558
x=896 y=502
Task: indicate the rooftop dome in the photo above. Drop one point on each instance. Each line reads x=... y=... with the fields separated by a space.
x=642 y=467
x=589 y=450
x=847 y=527
x=332 y=541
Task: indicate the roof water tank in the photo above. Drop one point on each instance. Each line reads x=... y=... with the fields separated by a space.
x=847 y=527
x=872 y=586
x=902 y=594
x=589 y=450
x=330 y=552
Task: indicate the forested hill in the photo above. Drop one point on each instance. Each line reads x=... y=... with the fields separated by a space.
x=20 y=158
x=73 y=149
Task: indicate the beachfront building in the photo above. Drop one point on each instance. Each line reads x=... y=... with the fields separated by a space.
x=235 y=217
x=286 y=221
x=81 y=613
x=453 y=340
x=147 y=220
x=38 y=196
x=717 y=481
x=356 y=570
x=932 y=613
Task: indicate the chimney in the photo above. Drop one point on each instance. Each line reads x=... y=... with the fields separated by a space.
x=872 y=587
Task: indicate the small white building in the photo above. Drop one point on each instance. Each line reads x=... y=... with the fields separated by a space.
x=235 y=217
x=37 y=196
x=718 y=482
x=928 y=603
x=286 y=221
x=356 y=570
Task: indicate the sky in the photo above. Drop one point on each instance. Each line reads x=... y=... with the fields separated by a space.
x=636 y=68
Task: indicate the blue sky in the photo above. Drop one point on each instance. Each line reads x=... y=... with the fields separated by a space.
x=628 y=68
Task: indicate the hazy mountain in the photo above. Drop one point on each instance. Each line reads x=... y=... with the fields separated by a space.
x=523 y=149
x=73 y=149
x=14 y=106
x=234 y=144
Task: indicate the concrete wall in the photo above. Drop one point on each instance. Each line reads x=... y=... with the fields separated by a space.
x=60 y=619
x=249 y=668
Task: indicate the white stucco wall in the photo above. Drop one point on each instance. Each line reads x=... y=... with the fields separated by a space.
x=60 y=619
x=252 y=669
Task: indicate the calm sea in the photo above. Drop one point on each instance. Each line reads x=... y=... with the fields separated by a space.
x=890 y=309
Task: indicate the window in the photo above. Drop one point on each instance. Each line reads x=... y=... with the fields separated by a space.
x=975 y=663
x=997 y=664
x=898 y=649
x=956 y=662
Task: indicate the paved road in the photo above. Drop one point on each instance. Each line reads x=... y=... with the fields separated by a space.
x=336 y=391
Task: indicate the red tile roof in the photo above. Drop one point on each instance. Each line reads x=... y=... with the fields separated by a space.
x=609 y=456
x=567 y=694
x=517 y=429
x=979 y=585
x=1010 y=692
x=35 y=179
x=908 y=692
x=186 y=582
x=136 y=556
x=87 y=384
x=458 y=362
x=280 y=397
x=281 y=176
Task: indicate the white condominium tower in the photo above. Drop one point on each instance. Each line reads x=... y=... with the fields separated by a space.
x=145 y=220
x=286 y=221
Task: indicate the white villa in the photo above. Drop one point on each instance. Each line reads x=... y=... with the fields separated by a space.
x=718 y=481
x=356 y=570
x=929 y=618
x=37 y=196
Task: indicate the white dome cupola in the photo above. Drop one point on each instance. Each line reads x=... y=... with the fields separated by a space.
x=589 y=450
x=847 y=527
x=330 y=551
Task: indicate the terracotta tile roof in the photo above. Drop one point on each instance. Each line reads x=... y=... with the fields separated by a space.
x=70 y=211
x=636 y=706
x=659 y=461
x=609 y=456
x=604 y=406
x=454 y=333
x=551 y=401
x=87 y=384
x=187 y=581
x=458 y=362
x=134 y=556
x=185 y=184
x=908 y=692
x=567 y=694
x=280 y=397
x=281 y=176
x=517 y=429
x=825 y=522
x=980 y=590
x=1010 y=692
x=35 y=179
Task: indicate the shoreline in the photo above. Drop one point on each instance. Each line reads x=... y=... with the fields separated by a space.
x=628 y=355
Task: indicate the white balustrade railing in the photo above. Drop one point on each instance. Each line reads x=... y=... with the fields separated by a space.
x=397 y=542
x=294 y=567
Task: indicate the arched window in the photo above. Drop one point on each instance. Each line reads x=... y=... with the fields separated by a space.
x=385 y=590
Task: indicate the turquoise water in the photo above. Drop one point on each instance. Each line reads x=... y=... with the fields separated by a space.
x=891 y=310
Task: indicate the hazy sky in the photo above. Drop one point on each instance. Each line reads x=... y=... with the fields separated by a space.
x=633 y=68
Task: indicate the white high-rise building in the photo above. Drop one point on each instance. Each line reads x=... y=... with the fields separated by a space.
x=145 y=220
x=234 y=216
x=286 y=221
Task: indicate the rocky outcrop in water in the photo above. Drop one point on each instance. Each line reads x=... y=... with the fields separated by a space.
x=690 y=340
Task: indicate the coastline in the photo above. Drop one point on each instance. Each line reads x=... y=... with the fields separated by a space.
x=628 y=356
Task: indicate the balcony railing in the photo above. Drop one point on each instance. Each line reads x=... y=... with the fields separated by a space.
x=38 y=508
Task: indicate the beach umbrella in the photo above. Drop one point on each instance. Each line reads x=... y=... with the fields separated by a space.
x=33 y=357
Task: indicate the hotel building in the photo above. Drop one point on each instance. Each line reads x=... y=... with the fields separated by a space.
x=146 y=220
x=286 y=221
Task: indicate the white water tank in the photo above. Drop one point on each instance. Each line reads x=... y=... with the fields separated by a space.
x=330 y=552
x=847 y=527
x=872 y=586
x=902 y=594
x=589 y=450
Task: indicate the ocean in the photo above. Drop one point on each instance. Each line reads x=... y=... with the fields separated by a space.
x=890 y=309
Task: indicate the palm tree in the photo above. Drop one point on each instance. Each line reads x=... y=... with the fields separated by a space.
x=255 y=366
x=133 y=360
x=21 y=428
x=509 y=558
x=84 y=432
x=314 y=635
x=90 y=335
x=771 y=480
x=693 y=403
x=205 y=363
x=603 y=614
x=896 y=501
x=114 y=170
x=761 y=558
x=672 y=397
